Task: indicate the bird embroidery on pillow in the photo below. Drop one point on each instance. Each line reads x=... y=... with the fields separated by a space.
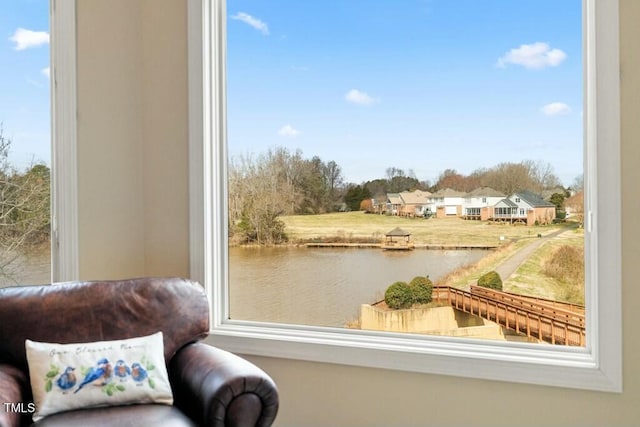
x=138 y=373
x=67 y=380
x=99 y=375
x=121 y=370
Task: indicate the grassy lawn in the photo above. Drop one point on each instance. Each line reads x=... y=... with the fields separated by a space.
x=358 y=225
x=466 y=275
x=530 y=278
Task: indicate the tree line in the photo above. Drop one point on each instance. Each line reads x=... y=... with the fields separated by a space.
x=279 y=182
x=24 y=209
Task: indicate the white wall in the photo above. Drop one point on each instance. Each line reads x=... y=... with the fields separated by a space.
x=133 y=221
x=132 y=138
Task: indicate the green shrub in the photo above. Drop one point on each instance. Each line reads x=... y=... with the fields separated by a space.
x=422 y=288
x=490 y=280
x=398 y=295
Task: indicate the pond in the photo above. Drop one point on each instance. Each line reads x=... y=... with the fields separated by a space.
x=325 y=286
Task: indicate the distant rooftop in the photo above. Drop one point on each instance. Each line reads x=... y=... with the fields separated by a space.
x=533 y=199
x=485 y=192
x=448 y=192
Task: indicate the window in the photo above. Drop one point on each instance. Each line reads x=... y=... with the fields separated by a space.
x=52 y=37
x=64 y=223
x=25 y=145
x=596 y=366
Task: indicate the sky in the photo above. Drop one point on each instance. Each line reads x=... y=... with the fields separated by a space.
x=421 y=85
x=24 y=80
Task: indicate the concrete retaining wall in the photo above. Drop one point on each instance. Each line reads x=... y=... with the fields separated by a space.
x=433 y=321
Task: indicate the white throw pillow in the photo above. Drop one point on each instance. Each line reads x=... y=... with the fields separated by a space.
x=104 y=373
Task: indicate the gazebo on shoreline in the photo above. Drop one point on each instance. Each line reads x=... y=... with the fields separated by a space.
x=398 y=239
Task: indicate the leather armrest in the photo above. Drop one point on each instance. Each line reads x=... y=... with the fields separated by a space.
x=12 y=383
x=217 y=388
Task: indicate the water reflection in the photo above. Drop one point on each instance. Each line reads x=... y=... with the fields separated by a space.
x=27 y=269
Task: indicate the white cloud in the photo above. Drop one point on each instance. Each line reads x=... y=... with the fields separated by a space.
x=356 y=97
x=253 y=22
x=556 y=109
x=46 y=72
x=24 y=39
x=533 y=56
x=288 y=131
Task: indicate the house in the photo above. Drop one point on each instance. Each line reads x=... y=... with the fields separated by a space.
x=478 y=202
x=524 y=207
x=532 y=209
x=414 y=203
x=132 y=98
x=394 y=203
x=447 y=203
x=506 y=210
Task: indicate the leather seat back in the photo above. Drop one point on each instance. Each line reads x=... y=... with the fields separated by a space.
x=99 y=311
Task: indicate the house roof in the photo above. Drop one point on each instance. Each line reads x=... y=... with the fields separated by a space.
x=398 y=232
x=485 y=192
x=448 y=192
x=416 y=197
x=507 y=202
x=394 y=198
x=533 y=199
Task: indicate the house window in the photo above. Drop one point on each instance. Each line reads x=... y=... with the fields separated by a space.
x=517 y=199
x=38 y=243
x=25 y=145
x=595 y=366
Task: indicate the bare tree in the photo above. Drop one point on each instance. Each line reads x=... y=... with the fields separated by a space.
x=333 y=174
x=578 y=183
x=526 y=175
x=260 y=190
x=24 y=210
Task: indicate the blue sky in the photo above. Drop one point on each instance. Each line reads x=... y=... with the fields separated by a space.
x=424 y=85
x=24 y=79
x=416 y=84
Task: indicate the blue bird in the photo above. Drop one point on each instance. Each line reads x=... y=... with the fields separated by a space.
x=98 y=375
x=121 y=370
x=67 y=379
x=138 y=373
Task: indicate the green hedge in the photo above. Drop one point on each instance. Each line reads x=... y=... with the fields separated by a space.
x=402 y=295
x=490 y=280
x=422 y=288
x=398 y=296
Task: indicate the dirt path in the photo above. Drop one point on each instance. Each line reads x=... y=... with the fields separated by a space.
x=509 y=266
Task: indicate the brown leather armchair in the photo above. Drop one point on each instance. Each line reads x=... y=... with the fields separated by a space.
x=211 y=387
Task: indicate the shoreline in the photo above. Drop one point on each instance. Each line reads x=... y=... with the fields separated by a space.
x=415 y=246
x=356 y=245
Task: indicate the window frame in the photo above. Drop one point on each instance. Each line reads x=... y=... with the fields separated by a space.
x=64 y=170
x=598 y=366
